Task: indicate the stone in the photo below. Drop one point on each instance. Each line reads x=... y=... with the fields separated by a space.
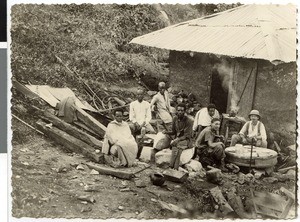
x=193 y=166
x=258 y=174
x=270 y=180
x=241 y=178
x=269 y=171
x=79 y=167
x=94 y=172
x=163 y=157
x=86 y=209
x=121 y=208
x=249 y=177
x=144 y=215
x=175 y=175
x=291 y=174
x=140 y=183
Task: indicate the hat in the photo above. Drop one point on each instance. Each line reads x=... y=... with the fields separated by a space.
x=254 y=112
x=161 y=84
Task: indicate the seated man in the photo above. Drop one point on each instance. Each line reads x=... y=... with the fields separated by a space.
x=119 y=142
x=253 y=130
x=203 y=118
x=140 y=115
x=182 y=129
x=209 y=146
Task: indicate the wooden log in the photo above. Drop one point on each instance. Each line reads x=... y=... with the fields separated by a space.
x=73 y=131
x=90 y=121
x=284 y=170
x=110 y=171
x=236 y=203
x=218 y=197
x=23 y=89
x=175 y=175
x=172 y=207
x=70 y=142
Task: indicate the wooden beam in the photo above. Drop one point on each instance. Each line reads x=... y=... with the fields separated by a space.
x=73 y=131
x=70 y=142
x=110 y=171
x=90 y=121
x=218 y=197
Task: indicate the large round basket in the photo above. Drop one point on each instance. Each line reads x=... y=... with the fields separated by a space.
x=261 y=157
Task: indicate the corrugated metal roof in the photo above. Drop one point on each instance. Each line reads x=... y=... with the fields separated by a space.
x=250 y=31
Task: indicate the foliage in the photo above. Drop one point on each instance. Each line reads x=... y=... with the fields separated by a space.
x=91 y=39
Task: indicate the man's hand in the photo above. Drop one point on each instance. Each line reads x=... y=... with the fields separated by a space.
x=259 y=138
x=143 y=124
x=221 y=144
x=174 y=142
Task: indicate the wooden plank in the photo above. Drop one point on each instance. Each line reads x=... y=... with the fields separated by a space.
x=111 y=171
x=90 y=121
x=82 y=126
x=23 y=89
x=175 y=175
x=70 y=142
x=72 y=130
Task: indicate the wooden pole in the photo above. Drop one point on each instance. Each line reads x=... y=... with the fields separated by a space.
x=255 y=83
x=31 y=127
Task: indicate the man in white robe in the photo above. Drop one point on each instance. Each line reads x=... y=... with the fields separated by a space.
x=119 y=141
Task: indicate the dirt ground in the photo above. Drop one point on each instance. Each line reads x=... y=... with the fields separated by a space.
x=46 y=183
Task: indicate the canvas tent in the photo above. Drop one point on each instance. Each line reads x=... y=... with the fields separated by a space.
x=242 y=58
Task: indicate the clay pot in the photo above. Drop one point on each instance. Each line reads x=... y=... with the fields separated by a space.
x=157 y=179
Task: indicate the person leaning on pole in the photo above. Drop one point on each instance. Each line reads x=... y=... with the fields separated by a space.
x=161 y=103
x=182 y=129
x=253 y=130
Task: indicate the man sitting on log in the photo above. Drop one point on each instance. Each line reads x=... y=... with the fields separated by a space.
x=253 y=130
x=182 y=129
x=209 y=147
x=119 y=142
x=140 y=115
x=203 y=118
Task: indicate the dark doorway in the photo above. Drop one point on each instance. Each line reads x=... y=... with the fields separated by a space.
x=218 y=94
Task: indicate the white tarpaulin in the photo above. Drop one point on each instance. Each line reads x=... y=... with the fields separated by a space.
x=55 y=95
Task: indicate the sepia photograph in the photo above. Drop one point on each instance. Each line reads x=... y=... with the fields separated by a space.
x=153 y=111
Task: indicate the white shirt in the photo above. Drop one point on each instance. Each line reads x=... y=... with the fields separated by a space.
x=253 y=130
x=203 y=118
x=163 y=106
x=140 y=112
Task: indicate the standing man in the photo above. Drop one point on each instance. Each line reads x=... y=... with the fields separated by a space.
x=209 y=147
x=162 y=103
x=182 y=129
x=140 y=115
x=204 y=117
x=252 y=130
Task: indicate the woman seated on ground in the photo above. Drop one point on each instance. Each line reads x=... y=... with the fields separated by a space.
x=119 y=142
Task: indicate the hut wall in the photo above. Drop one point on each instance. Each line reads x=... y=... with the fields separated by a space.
x=192 y=74
x=275 y=97
x=272 y=92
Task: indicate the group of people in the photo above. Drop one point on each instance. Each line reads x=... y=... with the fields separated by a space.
x=123 y=140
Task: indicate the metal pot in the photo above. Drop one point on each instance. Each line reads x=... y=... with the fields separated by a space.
x=157 y=179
